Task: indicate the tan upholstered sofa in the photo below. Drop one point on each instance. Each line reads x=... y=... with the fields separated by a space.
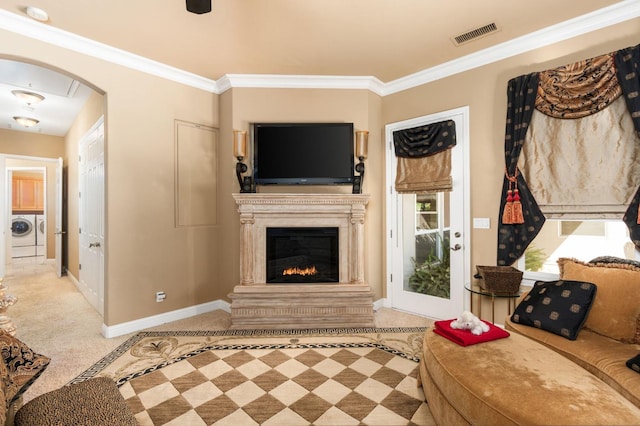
x=610 y=335
x=535 y=376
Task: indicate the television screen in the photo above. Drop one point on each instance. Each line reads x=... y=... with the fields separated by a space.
x=303 y=153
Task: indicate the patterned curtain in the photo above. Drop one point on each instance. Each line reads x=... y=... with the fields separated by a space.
x=579 y=89
x=572 y=91
x=515 y=234
x=424 y=157
x=627 y=62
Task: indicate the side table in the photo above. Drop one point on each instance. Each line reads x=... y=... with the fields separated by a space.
x=477 y=290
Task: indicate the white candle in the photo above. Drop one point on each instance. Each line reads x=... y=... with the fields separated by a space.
x=239 y=143
x=362 y=137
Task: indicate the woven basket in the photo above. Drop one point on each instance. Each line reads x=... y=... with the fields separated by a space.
x=500 y=279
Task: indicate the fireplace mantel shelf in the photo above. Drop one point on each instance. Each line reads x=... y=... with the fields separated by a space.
x=302 y=199
x=348 y=303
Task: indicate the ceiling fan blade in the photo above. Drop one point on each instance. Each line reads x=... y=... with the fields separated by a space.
x=199 y=6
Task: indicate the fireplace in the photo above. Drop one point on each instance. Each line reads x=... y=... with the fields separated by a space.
x=321 y=231
x=302 y=255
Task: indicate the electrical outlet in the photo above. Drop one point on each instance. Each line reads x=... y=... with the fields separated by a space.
x=160 y=296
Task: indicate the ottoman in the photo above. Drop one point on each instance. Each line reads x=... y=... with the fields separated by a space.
x=94 y=402
x=514 y=381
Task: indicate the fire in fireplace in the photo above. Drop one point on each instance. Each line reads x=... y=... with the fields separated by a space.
x=302 y=255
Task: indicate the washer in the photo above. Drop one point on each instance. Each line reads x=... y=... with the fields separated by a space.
x=23 y=230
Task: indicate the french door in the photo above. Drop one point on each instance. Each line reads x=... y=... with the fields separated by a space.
x=428 y=256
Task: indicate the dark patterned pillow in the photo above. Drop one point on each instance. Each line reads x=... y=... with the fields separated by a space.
x=23 y=365
x=634 y=363
x=559 y=307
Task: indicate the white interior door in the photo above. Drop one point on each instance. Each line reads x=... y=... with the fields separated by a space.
x=5 y=215
x=428 y=232
x=58 y=225
x=91 y=217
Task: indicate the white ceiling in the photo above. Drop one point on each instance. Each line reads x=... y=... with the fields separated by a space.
x=387 y=40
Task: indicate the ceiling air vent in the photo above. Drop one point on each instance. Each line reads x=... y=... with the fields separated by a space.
x=474 y=34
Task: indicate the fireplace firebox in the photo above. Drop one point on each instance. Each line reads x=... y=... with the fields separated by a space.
x=302 y=255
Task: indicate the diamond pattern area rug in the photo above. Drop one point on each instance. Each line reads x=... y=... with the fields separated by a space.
x=293 y=377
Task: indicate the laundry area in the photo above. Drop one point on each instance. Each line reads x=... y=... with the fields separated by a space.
x=28 y=219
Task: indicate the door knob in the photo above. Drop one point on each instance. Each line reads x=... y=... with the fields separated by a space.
x=456 y=247
x=94 y=245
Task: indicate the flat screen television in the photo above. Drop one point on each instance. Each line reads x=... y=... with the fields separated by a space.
x=303 y=153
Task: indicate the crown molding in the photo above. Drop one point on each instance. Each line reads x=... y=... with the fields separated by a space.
x=275 y=81
x=611 y=15
x=39 y=31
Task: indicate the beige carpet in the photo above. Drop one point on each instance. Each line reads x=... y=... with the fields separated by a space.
x=320 y=377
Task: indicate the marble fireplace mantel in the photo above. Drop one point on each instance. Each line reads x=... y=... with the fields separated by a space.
x=256 y=304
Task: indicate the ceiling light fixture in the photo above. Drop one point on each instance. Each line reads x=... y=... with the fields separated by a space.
x=26 y=121
x=37 y=14
x=28 y=97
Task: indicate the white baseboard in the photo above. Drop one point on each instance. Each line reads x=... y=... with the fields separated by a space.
x=155 y=320
x=73 y=279
x=381 y=303
x=191 y=311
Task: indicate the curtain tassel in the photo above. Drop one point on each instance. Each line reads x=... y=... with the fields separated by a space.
x=517 y=217
x=507 y=214
x=512 y=213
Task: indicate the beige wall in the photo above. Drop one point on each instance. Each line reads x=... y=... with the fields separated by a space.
x=31 y=144
x=147 y=253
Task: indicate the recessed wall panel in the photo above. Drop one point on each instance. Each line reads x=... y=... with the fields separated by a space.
x=196 y=174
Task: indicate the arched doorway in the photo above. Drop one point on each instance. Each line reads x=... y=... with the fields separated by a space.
x=64 y=109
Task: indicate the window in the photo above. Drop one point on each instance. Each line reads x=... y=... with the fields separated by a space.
x=580 y=239
x=587 y=228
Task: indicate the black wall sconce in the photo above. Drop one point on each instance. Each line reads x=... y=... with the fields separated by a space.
x=362 y=139
x=240 y=151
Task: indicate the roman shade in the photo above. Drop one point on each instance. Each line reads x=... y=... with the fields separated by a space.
x=424 y=157
x=585 y=168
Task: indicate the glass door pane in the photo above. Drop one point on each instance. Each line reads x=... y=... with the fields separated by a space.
x=426 y=244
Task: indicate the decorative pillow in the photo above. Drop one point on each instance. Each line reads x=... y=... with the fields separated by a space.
x=559 y=307
x=613 y=259
x=23 y=366
x=615 y=312
x=634 y=363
